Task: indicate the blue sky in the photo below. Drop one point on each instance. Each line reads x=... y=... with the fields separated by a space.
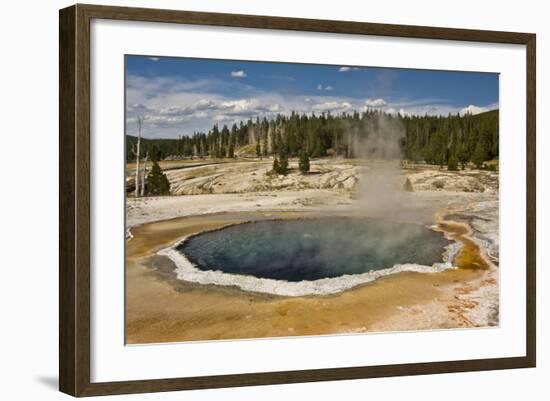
x=177 y=96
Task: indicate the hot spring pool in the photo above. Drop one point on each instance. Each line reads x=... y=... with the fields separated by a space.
x=313 y=249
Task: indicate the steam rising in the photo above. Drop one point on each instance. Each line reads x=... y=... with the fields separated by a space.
x=380 y=194
x=380 y=139
x=380 y=184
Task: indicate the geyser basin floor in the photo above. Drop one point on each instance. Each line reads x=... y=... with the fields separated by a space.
x=161 y=308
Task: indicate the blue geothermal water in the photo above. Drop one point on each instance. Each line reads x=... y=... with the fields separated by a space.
x=311 y=249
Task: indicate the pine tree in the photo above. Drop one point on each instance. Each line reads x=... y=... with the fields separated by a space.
x=283 y=164
x=480 y=154
x=157 y=183
x=452 y=163
x=276 y=166
x=463 y=156
x=430 y=138
x=303 y=164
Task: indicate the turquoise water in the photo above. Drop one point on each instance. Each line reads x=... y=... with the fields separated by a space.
x=296 y=250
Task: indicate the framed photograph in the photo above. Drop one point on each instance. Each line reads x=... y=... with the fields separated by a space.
x=250 y=200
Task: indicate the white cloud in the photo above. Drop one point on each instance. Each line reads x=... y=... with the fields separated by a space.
x=138 y=109
x=237 y=105
x=173 y=107
x=153 y=58
x=473 y=109
x=332 y=106
x=404 y=113
x=221 y=117
x=192 y=113
x=320 y=87
x=401 y=111
x=375 y=102
x=346 y=69
x=204 y=104
x=238 y=74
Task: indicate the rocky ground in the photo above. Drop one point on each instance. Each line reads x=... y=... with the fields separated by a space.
x=246 y=185
x=243 y=176
x=429 y=178
x=246 y=176
x=341 y=185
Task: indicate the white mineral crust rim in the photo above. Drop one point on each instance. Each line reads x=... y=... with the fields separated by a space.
x=187 y=271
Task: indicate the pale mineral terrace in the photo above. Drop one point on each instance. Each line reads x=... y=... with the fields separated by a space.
x=203 y=187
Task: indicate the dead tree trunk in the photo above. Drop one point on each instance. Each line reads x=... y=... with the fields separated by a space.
x=137 y=193
x=143 y=174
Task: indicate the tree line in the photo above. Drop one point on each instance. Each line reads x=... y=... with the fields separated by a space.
x=454 y=140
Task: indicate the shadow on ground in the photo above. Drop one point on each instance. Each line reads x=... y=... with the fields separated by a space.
x=49 y=381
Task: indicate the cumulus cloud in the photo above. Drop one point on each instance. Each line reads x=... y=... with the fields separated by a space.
x=473 y=109
x=138 y=109
x=172 y=107
x=200 y=114
x=205 y=104
x=333 y=106
x=346 y=69
x=401 y=111
x=375 y=102
x=238 y=74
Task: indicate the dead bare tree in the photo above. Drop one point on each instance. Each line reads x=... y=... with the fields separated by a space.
x=143 y=174
x=139 y=120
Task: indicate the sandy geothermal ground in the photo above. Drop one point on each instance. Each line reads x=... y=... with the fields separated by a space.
x=212 y=194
